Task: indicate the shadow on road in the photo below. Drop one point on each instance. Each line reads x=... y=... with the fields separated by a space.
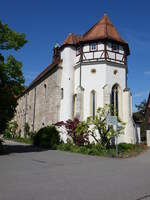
x=20 y=148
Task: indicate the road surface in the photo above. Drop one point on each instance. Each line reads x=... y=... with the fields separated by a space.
x=27 y=173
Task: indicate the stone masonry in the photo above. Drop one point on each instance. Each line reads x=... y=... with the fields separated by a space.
x=40 y=105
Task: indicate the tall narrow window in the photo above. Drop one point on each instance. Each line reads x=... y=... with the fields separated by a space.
x=93 y=103
x=45 y=91
x=114 y=100
x=62 y=93
x=74 y=104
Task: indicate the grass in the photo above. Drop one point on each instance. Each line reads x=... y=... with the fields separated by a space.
x=22 y=140
x=124 y=150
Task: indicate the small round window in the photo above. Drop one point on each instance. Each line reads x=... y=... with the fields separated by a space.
x=93 y=71
x=115 y=72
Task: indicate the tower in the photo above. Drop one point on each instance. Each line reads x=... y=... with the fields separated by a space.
x=94 y=73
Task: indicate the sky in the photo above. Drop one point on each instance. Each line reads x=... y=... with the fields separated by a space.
x=47 y=22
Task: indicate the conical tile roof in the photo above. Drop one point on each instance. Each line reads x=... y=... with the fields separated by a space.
x=103 y=29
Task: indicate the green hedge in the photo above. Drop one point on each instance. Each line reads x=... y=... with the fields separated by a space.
x=47 y=137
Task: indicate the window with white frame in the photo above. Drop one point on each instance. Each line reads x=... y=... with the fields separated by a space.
x=93 y=47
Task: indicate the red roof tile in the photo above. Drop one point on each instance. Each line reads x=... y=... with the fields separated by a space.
x=103 y=29
x=72 y=39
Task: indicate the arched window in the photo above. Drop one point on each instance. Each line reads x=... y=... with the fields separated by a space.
x=74 y=105
x=93 y=103
x=115 y=100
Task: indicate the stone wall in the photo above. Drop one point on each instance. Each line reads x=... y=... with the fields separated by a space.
x=40 y=105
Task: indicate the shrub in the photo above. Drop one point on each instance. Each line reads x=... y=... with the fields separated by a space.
x=79 y=138
x=125 y=147
x=125 y=150
x=11 y=130
x=7 y=134
x=47 y=137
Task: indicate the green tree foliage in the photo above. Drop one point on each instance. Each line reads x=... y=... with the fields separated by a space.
x=11 y=77
x=97 y=127
x=11 y=130
x=139 y=117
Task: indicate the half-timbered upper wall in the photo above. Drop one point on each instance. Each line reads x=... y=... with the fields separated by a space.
x=100 y=51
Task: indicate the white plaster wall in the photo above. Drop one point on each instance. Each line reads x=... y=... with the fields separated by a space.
x=119 y=77
x=97 y=54
x=119 y=57
x=88 y=55
x=138 y=134
x=111 y=55
x=68 y=55
x=148 y=137
x=96 y=81
x=91 y=81
x=86 y=48
x=130 y=131
x=77 y=59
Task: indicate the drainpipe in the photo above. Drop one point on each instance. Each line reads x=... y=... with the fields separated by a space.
x=81 y=57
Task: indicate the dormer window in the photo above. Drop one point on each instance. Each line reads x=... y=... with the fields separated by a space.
x=115 y=47
x=93 y=47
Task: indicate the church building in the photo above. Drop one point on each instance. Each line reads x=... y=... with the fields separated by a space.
x=87 y=72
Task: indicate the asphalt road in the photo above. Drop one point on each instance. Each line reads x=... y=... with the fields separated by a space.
x=30 y=174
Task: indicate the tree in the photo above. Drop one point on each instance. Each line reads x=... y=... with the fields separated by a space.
x=79 y=138
x=97 y=127
x=11 y=77
x=139 y=117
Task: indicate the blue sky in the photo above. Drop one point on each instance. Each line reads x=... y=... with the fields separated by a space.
x=46 y=22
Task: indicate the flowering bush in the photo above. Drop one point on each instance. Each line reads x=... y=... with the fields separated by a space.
x=78 y=138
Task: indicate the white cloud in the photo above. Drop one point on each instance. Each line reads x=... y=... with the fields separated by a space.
x=147 y=72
